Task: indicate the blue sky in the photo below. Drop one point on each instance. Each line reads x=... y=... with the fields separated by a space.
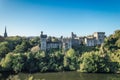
x=59 y=17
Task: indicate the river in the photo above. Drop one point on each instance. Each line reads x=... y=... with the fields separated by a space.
x=61 y=76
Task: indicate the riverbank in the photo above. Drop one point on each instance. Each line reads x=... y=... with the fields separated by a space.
x=62 y=76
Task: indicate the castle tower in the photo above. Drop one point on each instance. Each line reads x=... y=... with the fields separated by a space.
x=100 y=36
x=43 y=41
x=5 y=34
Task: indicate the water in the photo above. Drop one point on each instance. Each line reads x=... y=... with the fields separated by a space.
x=62 y=76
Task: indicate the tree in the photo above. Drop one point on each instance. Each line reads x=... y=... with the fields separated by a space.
x=70 y=60
x=31 y=63
x=97 y=62
x=6 y=63
x=4 y=49
x=88 y=62
x=118 y=43
x=34 y=41
x=13 y=42
x=70 y=53
x=117 y=34
x=23 y=47
x=18 y=62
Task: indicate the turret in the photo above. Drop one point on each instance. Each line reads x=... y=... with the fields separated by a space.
x=43 y=41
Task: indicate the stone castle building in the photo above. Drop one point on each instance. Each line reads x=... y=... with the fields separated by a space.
x=74 y=41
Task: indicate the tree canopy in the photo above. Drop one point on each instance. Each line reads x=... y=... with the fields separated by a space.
x=21 y=54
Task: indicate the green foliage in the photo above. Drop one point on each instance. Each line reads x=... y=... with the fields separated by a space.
x=23 y=47
x=97 y=62
x=117 y=34
x=88 y=62
x=55 y=61
x=111 y=46
x=34 y=41
x=18 y=62
x=82 y=49
x=30 y=64
x=118 y=43
x=13 y=42
x=23 y=54
x=70 y=60
x=4 y=49
x=70 y=53
x=6 y=62
x=112 y=43
x=13 y=62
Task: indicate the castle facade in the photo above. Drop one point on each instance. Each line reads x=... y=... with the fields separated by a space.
x=95 y=39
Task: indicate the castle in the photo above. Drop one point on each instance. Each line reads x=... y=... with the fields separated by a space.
x=95 y=39
x=66 y=43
